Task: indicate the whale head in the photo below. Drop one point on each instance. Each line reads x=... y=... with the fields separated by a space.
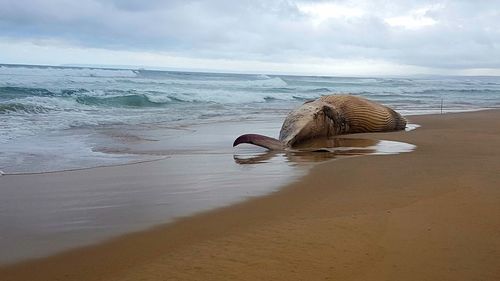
x=310 y=120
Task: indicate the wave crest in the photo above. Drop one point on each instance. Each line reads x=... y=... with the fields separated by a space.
x=22 y=108
x=136 y=100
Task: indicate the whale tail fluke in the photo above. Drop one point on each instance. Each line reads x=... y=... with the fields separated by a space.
x=260 y=140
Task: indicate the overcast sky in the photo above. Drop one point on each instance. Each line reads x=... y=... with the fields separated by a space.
x=306 y=37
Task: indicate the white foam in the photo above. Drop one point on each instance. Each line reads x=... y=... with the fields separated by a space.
x=272 y=82
x=385 y=147
x=411 y=127
x=158 y=98
x=210 y=83
x=54 y=152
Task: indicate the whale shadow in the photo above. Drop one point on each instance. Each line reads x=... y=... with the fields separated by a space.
x=324 y=149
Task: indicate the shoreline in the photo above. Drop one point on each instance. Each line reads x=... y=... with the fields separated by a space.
x=138 y=155
x=46 y=213
x=344 y=231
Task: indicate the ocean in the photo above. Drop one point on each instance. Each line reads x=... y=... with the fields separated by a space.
x=60 y=118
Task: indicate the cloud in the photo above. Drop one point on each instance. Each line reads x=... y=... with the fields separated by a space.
x=407 y=35
x=415 y=19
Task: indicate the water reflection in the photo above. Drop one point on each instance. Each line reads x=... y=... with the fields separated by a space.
x=319 y=150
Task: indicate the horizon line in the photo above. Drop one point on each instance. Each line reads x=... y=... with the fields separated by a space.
x=233 y=72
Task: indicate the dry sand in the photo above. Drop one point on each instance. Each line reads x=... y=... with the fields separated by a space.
x=433 y=214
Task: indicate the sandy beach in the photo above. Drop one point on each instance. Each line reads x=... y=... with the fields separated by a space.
x=432 y=214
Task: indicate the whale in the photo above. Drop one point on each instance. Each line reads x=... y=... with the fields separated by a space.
x=326 y=117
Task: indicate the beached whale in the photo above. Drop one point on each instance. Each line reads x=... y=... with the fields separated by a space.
x=329 y=116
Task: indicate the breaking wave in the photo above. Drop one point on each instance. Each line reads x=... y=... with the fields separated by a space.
x=34 y=98
x=121 y=101
x=24 y=108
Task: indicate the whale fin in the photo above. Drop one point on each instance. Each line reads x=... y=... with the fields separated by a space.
x=260 y=140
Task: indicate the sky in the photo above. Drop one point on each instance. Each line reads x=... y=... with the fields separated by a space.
x=350 y=38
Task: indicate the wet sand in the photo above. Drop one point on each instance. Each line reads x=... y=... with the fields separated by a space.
x=432 y=214
x=42 y=214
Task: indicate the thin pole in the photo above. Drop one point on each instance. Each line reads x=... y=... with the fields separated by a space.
x=441 y=105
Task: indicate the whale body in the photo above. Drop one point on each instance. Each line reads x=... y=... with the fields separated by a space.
x=329 y=116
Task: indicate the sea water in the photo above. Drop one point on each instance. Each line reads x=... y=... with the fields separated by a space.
x=58 y=118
